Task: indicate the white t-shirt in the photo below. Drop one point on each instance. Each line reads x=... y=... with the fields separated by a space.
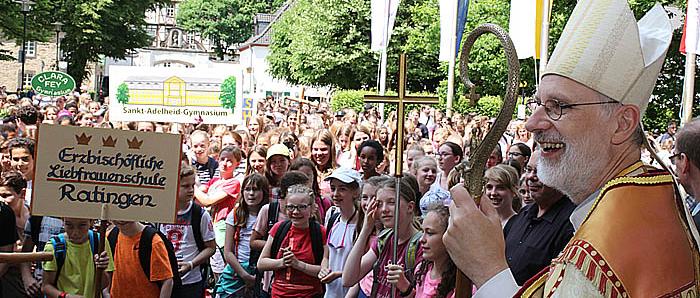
x=340 y=241
x=244 y=238
x=182 y=238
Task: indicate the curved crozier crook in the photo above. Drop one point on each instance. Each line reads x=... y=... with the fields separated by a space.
x=472 y=172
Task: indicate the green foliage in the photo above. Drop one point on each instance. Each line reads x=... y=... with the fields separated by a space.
x=92 y=28
x=666 y=100
x=6 y=55
x=225 y=22
x=228 y=93
x=123 y=93
x=353 y=99
x=327 y=42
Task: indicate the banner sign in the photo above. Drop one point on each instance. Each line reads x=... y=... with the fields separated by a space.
x=78 y=169
x=183 y=95
x=53 y=83
x=248 y=110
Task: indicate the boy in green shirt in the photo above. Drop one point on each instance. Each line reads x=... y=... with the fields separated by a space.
x=76 y=248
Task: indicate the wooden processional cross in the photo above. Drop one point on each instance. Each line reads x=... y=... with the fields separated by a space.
x=400 y=101
x=301 y=101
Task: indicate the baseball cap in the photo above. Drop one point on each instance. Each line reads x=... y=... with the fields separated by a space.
x=345 y=175
x=277 y=149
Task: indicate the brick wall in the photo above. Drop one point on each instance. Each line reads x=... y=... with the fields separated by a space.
x=43 y=60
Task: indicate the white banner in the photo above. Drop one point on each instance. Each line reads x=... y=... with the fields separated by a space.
x=522 y=27
x=183 y=95
x=692 y=34
x=383 y=11
x=447 y=28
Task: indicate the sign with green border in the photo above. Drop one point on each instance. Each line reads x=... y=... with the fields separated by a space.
x=53 y=83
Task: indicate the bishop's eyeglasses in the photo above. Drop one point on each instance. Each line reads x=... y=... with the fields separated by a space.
x=555 y=109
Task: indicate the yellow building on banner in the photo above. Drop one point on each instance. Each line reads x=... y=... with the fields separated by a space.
x=174 y=91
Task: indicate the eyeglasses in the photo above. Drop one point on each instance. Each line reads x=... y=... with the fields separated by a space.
x=555 y=109
x=515 y=154
x=673 y=158
x=301 y=207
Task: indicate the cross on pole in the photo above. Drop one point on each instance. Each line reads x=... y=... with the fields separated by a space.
x=301 y=101
x=400 y=100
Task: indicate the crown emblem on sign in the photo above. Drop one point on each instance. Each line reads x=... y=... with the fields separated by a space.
x=109 y=142
x=134 y=143
x=83 y=139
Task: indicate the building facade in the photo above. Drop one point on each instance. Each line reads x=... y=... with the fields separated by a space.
x=41 y=56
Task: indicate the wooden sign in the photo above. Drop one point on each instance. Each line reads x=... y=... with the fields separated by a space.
x=134 y=174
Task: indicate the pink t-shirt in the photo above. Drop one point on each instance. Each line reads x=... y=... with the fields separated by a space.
x=429 y=287
x=232 y=188
x=384 y=288
x=367 y=281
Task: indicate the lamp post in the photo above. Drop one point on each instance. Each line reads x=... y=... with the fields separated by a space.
x=57 y=26
x=26 y=6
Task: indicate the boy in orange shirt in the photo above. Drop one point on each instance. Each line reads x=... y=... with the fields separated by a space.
x=128 y=279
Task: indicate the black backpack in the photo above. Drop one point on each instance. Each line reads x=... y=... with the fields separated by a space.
x=272 y=215
x=196 y=222
x=316 y=240
x=146 y=249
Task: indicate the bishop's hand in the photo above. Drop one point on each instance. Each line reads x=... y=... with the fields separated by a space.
x=474 y=237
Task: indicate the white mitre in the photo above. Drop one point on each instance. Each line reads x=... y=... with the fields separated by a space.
x=604 y=48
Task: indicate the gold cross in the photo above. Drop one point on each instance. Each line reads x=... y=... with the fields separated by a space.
x=301 y=102
x=401 y=100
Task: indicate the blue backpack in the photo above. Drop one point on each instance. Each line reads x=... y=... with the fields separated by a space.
x=60 y=247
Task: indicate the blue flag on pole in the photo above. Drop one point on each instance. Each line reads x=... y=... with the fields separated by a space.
x=463 y=6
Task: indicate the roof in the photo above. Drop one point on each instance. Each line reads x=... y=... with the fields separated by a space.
x=265 y=37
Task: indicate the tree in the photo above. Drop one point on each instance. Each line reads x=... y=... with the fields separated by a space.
x=327 y=42
x=225 y=22
x=228 y=93
x=123 y=93
x=96 y=28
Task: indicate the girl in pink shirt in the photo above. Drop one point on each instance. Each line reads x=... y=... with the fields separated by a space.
x=435 y=275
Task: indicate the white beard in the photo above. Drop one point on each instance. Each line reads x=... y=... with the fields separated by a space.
x=575 y=172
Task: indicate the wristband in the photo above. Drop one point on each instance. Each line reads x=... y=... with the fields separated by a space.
x=191 y=265
x=408 y=291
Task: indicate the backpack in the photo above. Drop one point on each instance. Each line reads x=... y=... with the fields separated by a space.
x=316 y=240
x=196 y=222
x=334 y=217
x=272 y=215
x=146 y=249
x=60 y=248
x=409 y=256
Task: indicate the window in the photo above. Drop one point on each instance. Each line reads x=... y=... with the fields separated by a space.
x=192 y=41
x=27 y=80
x=30 y=48
x=170 y=11
x=167 y=64
x=151 y=30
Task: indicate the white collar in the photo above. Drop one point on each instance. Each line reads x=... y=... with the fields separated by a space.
x=579 y=215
